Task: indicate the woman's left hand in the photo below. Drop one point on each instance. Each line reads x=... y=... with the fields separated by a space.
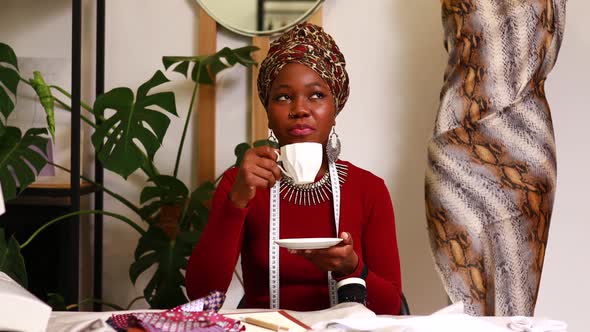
x=341 y=259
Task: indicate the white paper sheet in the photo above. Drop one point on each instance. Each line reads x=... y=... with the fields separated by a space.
x=19 y=309
x=439 y=323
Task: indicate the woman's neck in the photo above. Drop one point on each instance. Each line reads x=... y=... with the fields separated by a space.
x=323 y=168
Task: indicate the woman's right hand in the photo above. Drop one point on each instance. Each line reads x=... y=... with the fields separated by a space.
x=258 y=169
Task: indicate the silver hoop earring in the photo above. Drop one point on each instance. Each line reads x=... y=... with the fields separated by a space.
x=333 y=146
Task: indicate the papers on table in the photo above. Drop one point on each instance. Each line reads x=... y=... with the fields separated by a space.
x=19 y=309
x=439 y=323
x=451 y=318
x=271 y=318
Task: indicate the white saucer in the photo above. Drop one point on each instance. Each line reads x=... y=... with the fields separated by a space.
x=309 y=243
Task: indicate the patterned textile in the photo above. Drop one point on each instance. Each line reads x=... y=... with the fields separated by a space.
x=196 y=316
x=491 y=174
x=309 y=45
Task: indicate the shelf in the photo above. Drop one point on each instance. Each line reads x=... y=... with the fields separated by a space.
x=57 y=189
x=58 y=194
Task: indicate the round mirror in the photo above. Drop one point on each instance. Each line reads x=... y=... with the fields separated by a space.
x=259 y=17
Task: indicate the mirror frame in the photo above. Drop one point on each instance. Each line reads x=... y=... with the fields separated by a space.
x=253 y=33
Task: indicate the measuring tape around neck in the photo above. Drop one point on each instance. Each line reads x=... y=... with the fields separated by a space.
x=274 y=227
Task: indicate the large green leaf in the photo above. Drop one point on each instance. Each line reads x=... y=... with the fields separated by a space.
x=11 y=261
x=207 y=66
x=165 y=287
x=167 y=189
x=164 y=290
x=46 y=98
x=197 y=214
x=240 y=151
x=21 y=158
x=56 y=301
x=140 y=119
x=9 y=78
x=266 y=142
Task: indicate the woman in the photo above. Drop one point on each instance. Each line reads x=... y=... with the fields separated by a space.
x=303 y=85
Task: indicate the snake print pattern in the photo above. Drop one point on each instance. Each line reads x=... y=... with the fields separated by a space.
x=491 y=173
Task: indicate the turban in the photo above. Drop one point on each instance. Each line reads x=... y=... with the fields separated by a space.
x=309 y=45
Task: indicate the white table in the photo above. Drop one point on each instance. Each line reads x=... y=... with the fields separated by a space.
x=80 y=321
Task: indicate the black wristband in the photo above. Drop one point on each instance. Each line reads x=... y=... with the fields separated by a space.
x=364 y=272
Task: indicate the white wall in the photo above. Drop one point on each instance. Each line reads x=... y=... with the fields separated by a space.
x=395 y=62
x=48 y=25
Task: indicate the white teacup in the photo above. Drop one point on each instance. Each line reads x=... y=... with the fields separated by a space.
x=301 y=161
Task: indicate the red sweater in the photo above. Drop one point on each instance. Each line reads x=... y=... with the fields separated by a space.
x=366 y=213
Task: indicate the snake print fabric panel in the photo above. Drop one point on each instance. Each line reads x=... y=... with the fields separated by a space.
x=491 y=173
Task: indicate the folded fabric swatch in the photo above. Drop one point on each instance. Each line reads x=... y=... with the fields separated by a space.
x=196 y=316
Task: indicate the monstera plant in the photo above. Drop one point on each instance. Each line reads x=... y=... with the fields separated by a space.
x=128 y=130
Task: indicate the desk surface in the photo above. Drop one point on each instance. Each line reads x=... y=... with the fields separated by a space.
x=78 y=321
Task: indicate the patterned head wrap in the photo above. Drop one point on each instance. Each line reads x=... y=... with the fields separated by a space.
x=309 y=45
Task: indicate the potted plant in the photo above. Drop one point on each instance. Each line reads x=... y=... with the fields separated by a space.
x=126 y=139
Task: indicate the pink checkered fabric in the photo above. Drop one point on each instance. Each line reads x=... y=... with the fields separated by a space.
x=196 y=316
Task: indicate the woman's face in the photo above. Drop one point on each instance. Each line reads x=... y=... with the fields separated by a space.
x=300 y=106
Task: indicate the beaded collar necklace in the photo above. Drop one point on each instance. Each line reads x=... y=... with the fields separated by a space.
x=311 y=193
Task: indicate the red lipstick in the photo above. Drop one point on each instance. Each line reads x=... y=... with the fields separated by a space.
x=301 y=130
